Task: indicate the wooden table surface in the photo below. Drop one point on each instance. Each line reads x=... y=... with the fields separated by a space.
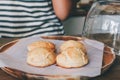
x=113 y=73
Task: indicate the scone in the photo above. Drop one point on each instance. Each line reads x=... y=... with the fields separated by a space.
x=41 y=57
x=45 y=44
x=72 y=43
x=72 y=57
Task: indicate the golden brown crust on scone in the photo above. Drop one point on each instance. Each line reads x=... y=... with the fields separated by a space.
x=72 y=57
x=73 y=54
x=45 y=44
x=72 y=43
x=41 y=57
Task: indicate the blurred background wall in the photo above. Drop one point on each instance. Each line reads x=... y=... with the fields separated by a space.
x=74 y=24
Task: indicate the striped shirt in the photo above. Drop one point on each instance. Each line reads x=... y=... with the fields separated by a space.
x=23 y=18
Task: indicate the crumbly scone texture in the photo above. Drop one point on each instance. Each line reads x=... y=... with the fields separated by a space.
x=73 y=54
x=72 y=43
x=41 y=57
x=45 y=44
x=72 y=57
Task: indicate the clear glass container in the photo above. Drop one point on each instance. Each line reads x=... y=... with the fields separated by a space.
x=102 y=23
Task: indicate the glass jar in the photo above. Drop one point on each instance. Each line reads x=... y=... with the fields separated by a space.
x=102 y=23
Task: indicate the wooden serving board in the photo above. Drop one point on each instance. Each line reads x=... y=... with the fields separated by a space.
x=108 y=59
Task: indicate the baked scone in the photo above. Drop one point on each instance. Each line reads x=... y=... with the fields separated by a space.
x=72 y=43
x=45 y=44
x=41 y=57
x=72 y=57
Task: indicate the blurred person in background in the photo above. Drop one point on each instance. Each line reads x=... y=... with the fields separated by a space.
x=23 y=18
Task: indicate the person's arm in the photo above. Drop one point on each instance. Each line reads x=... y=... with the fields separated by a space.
x=62 y=8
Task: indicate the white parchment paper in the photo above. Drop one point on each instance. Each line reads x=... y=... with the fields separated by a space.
x=15 y=57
